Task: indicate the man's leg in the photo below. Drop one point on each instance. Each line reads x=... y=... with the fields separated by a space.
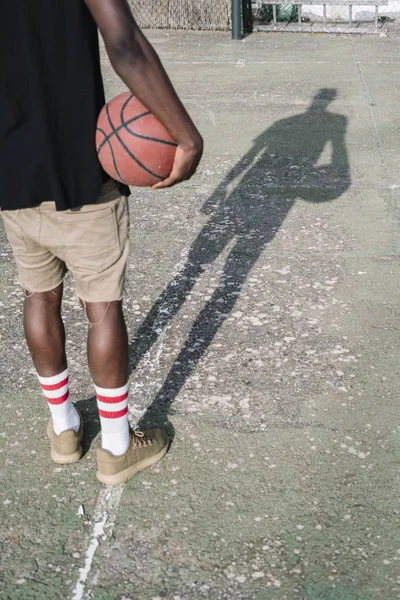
x=123 y=453
x=108 y=364
x=44 y=331
x=97 y=241
x=107 y=344
x=45 y=336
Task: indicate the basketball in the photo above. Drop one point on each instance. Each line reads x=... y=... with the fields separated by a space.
x=132 y=145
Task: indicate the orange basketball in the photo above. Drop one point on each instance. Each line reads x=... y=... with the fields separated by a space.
x=132 y=145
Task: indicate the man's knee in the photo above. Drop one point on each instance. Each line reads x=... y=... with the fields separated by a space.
x=49 y=298
x=97 y=312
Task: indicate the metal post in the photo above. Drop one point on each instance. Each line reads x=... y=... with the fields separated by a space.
x=236 y=20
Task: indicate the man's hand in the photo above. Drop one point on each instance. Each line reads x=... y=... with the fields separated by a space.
x=185 y=165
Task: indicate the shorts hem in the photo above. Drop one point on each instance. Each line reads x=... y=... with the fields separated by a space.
x=30 y=290
x=91 y=301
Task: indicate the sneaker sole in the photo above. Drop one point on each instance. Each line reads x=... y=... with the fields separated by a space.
x=124 y=476
x=66 y=459
x=63 y=459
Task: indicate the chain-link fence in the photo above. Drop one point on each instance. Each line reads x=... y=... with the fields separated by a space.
x=332 y=16
x=335 y=16
x=182 y=14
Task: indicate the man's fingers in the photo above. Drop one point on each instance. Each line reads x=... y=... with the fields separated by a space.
x=184 y=167
x=169 y=182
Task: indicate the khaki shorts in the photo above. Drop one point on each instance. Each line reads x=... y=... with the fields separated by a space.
x=92 y=242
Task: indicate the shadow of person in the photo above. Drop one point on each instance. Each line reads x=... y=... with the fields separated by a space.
x=90 y=414
x=246 y=211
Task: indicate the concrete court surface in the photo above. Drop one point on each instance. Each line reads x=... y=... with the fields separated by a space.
x=263 y=308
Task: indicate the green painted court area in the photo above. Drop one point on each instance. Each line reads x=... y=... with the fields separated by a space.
x=263 y=307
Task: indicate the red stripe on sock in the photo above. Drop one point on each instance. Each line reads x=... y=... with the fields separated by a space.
x=109 y=400
x=59 y=400
x=113 y=415
x=54 y=386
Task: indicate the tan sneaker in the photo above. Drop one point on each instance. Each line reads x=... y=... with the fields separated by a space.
x=65 y=448
x=145 y=449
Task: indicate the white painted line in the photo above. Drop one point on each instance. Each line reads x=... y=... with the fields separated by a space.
x=104 y=516
x=392 y=204
x=370 y=109
x=109 y=499
x=212 y=117
x=241 y=62
x=145 y=381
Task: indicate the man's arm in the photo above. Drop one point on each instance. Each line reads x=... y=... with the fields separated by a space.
x=136 y=62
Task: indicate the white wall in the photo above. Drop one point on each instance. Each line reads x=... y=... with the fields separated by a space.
x=359 y=12
x=342 y=12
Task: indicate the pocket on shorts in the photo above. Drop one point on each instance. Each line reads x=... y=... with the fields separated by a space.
x=92 y=238
x=14 y=232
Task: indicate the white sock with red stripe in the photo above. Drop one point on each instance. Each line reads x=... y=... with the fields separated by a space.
x=113 y=412
x=62 y=410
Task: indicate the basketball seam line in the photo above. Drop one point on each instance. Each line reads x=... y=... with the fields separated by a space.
x=127 y=149
x=143 y=137
x=116 y=129
x=113 y=157
x=125 y=125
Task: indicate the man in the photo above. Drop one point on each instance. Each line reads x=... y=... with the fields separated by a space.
x=61 y=212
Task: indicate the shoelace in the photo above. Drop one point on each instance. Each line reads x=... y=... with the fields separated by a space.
x=140 y=439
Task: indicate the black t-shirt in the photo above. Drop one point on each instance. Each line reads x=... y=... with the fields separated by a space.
x=51 y=93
